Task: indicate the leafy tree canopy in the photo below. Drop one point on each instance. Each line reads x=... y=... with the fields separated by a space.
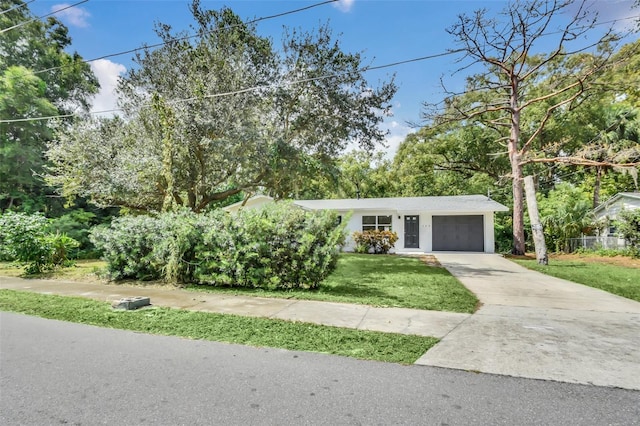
x=209 y=117
x=38 y=78
x=519 y=92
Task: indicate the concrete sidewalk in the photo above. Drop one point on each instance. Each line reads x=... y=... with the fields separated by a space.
x=360 y=317
x=536 y=326
x=530 y=325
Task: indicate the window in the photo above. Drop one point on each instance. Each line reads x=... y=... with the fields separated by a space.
x=371 y=223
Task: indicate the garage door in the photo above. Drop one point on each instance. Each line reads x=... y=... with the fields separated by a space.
x=458 y=233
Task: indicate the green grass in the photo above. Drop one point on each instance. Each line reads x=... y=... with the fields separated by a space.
x=82 y=270
x=379 y=280
x=619 y=280
x=258 y=332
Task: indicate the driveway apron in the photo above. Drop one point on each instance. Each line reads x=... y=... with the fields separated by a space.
x=535 y=326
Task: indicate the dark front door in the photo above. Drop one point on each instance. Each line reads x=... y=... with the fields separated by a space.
x=412 y=231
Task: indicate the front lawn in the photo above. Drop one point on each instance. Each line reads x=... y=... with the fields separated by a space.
x=381 y=280
x=83 y=270
x=377 y=280
x=371 y=345
x=592 y=271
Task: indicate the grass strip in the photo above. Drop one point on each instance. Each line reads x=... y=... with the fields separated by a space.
x=259 y=332
x=376 y=280
x=379 y=280
x=614 y=279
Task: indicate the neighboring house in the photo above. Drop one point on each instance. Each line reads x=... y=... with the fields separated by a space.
x=608 y=211
x=251 y=203
x=423 y=224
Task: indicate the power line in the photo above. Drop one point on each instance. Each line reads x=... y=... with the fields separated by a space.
x=43 y=16
x=253 y=88
x=137 y=49
x=249 y=89
x=18 y=6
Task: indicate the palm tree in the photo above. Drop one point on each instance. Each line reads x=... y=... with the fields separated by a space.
x=617 y=143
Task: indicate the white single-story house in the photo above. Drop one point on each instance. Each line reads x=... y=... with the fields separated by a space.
x=608 y=211
x=423 y=224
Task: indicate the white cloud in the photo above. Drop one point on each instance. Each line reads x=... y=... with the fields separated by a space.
x=107 y=73
x=344 y=5
x=75 y=16
x=397 y=134
x=620 y=13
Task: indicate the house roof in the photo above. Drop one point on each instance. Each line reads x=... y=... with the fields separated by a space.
x=255 y=200
x=449 y=204
x=615 y=198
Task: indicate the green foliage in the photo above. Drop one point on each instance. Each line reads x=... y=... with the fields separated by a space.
x=628 y=225
x=26 y=239
x=66 y=87
x=565 y=214
x=380 y=242
x=197 y=152
x=128 y=244
x=77 y=225
x=604 y=252
x=278 y=246
x=503 y=233
x=21 y=235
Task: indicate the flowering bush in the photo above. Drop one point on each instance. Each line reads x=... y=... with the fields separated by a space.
x=376 y=241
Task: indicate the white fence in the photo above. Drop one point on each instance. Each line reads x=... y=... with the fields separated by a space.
x=596 y=242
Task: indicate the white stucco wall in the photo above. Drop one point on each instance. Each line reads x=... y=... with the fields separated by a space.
x=354 y=223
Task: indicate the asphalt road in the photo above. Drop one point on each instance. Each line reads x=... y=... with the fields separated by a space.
x=54 y=373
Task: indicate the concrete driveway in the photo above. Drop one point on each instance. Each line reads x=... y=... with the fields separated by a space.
x=536 y=326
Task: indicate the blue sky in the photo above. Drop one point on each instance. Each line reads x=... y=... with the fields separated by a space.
x=385 y=31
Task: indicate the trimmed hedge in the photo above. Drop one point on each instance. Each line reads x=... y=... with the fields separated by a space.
x=279 y=246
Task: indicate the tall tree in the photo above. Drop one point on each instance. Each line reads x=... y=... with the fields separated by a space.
x=224 y=112
x=38 y=78
x=22 y=94
x=459 y=160
x=510 y=86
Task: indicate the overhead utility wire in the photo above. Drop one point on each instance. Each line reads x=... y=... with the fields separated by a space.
x=265 y=86
x=43 y=16
x=18 y=6
x=124 y=52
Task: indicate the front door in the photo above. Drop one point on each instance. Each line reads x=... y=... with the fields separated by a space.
x=412 y=231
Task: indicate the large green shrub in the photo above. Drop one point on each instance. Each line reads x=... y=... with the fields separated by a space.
x=279 y=246
x=27 y=239
x=128 y=246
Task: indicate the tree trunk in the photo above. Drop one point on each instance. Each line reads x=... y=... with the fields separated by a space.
x=536 y=226
x=516 y=173
x=596 y=187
